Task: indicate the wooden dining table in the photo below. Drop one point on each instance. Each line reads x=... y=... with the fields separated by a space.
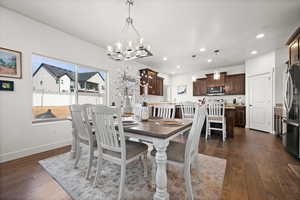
x=153 y=131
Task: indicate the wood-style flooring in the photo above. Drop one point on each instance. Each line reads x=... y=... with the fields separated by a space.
x=257 y=169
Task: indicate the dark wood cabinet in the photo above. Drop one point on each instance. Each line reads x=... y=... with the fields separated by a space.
x=159 y=86
x=211 y=82
x=155 y=83
x=240 y=116
x=200 y=87
x=294 y=47
x=235 y=84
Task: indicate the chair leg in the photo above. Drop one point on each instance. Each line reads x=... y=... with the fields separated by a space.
x=144 y=160
x=224 y=131
x=207 y=130
x=98 y=171
x=91 y=158
x=153 y=173
x=122 y=181
x=188 y=181
x=78 y=155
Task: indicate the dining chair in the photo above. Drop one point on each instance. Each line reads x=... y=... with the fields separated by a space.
x=84 y=132
x=112 y=145
x=216 y=115
x=187 y=110
x=165 y=111
x=184 y=154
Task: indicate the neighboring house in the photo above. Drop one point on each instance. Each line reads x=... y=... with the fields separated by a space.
x=49 y=78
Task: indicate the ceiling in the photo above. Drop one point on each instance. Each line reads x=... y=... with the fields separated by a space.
x=175 y=29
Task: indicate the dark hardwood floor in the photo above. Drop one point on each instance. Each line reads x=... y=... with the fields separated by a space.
x=256 y=169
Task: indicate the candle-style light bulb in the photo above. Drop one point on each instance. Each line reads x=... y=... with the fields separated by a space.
x=109 y=48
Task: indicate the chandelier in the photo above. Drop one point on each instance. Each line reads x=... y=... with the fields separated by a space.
x=129 y=49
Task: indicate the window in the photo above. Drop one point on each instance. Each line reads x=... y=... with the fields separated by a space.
x=57 y=85
x=90 y=81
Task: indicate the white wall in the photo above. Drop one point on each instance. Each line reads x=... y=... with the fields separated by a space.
x=260 y=65
x=18 y=137
x=187 y=79
x=281 y=56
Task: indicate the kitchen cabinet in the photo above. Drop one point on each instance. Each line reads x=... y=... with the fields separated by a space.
x=240 y=116
x=200 y=87
x=155 y=83
x=294 y=47
x=211 y=82
x=159 y=86
x=235 y=84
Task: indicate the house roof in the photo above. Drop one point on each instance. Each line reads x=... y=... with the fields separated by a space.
x=57 y=72
x=87 y=75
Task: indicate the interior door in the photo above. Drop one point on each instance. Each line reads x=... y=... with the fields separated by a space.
x=260 y=102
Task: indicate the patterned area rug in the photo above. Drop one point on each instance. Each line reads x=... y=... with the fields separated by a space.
x=207 y=179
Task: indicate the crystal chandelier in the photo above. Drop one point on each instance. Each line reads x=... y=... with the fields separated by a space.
x=128 y=49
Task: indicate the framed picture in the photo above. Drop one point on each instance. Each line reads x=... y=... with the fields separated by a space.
x=181 y=89
x=6 y=85
x=10 y=63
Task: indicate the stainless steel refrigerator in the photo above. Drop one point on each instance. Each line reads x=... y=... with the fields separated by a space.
x=292 y=107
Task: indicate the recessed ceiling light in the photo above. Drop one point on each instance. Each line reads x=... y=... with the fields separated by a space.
x=172 y=72
x=261 y=35
x=253 y=52
x=178 y=66
x=165 y=58
x=209 y=60
x=202 y=49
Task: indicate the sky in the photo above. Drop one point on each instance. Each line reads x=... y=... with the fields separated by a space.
x=38 y=60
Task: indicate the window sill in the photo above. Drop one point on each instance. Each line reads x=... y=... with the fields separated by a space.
x=49 y=121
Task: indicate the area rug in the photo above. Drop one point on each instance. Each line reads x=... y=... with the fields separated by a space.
x=207 y=179
x=295 y=169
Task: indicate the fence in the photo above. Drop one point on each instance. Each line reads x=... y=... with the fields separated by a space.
x=59 y=103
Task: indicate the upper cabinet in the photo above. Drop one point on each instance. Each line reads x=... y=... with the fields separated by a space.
x=294 y=47
x=199 y=87
x=235 y=84
x=155 y=83
x=211 y=82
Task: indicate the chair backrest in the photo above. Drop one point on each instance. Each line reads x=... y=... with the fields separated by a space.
x=216 y=109
x=187 y=110
x=192 y=143
x=109 y=129
x=79 y=122
x=137 y=110
x=165 y=111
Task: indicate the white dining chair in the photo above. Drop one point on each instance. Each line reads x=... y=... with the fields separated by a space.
x=84 y=133
x=165 y=111
x=216 y=115
x=187 y=110
x=112 y=145
x=184 y=154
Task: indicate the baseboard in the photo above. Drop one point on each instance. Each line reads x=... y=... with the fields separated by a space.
x=33 y=150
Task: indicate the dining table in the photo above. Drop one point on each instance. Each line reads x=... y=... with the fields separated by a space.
x=159 y=134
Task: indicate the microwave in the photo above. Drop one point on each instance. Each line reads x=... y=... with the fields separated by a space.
x=216 y=90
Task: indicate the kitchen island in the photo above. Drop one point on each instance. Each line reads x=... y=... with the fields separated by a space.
x=230 y=115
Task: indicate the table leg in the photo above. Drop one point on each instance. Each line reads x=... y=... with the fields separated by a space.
x=74 y=143
x=161 y=192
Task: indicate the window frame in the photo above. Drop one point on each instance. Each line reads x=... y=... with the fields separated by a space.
x=77 y=66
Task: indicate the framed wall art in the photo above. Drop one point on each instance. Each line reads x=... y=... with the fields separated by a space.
x=6 y=85
x=10 y=63
x=181 y=89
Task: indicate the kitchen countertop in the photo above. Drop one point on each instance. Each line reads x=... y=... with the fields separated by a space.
x=227 y=106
